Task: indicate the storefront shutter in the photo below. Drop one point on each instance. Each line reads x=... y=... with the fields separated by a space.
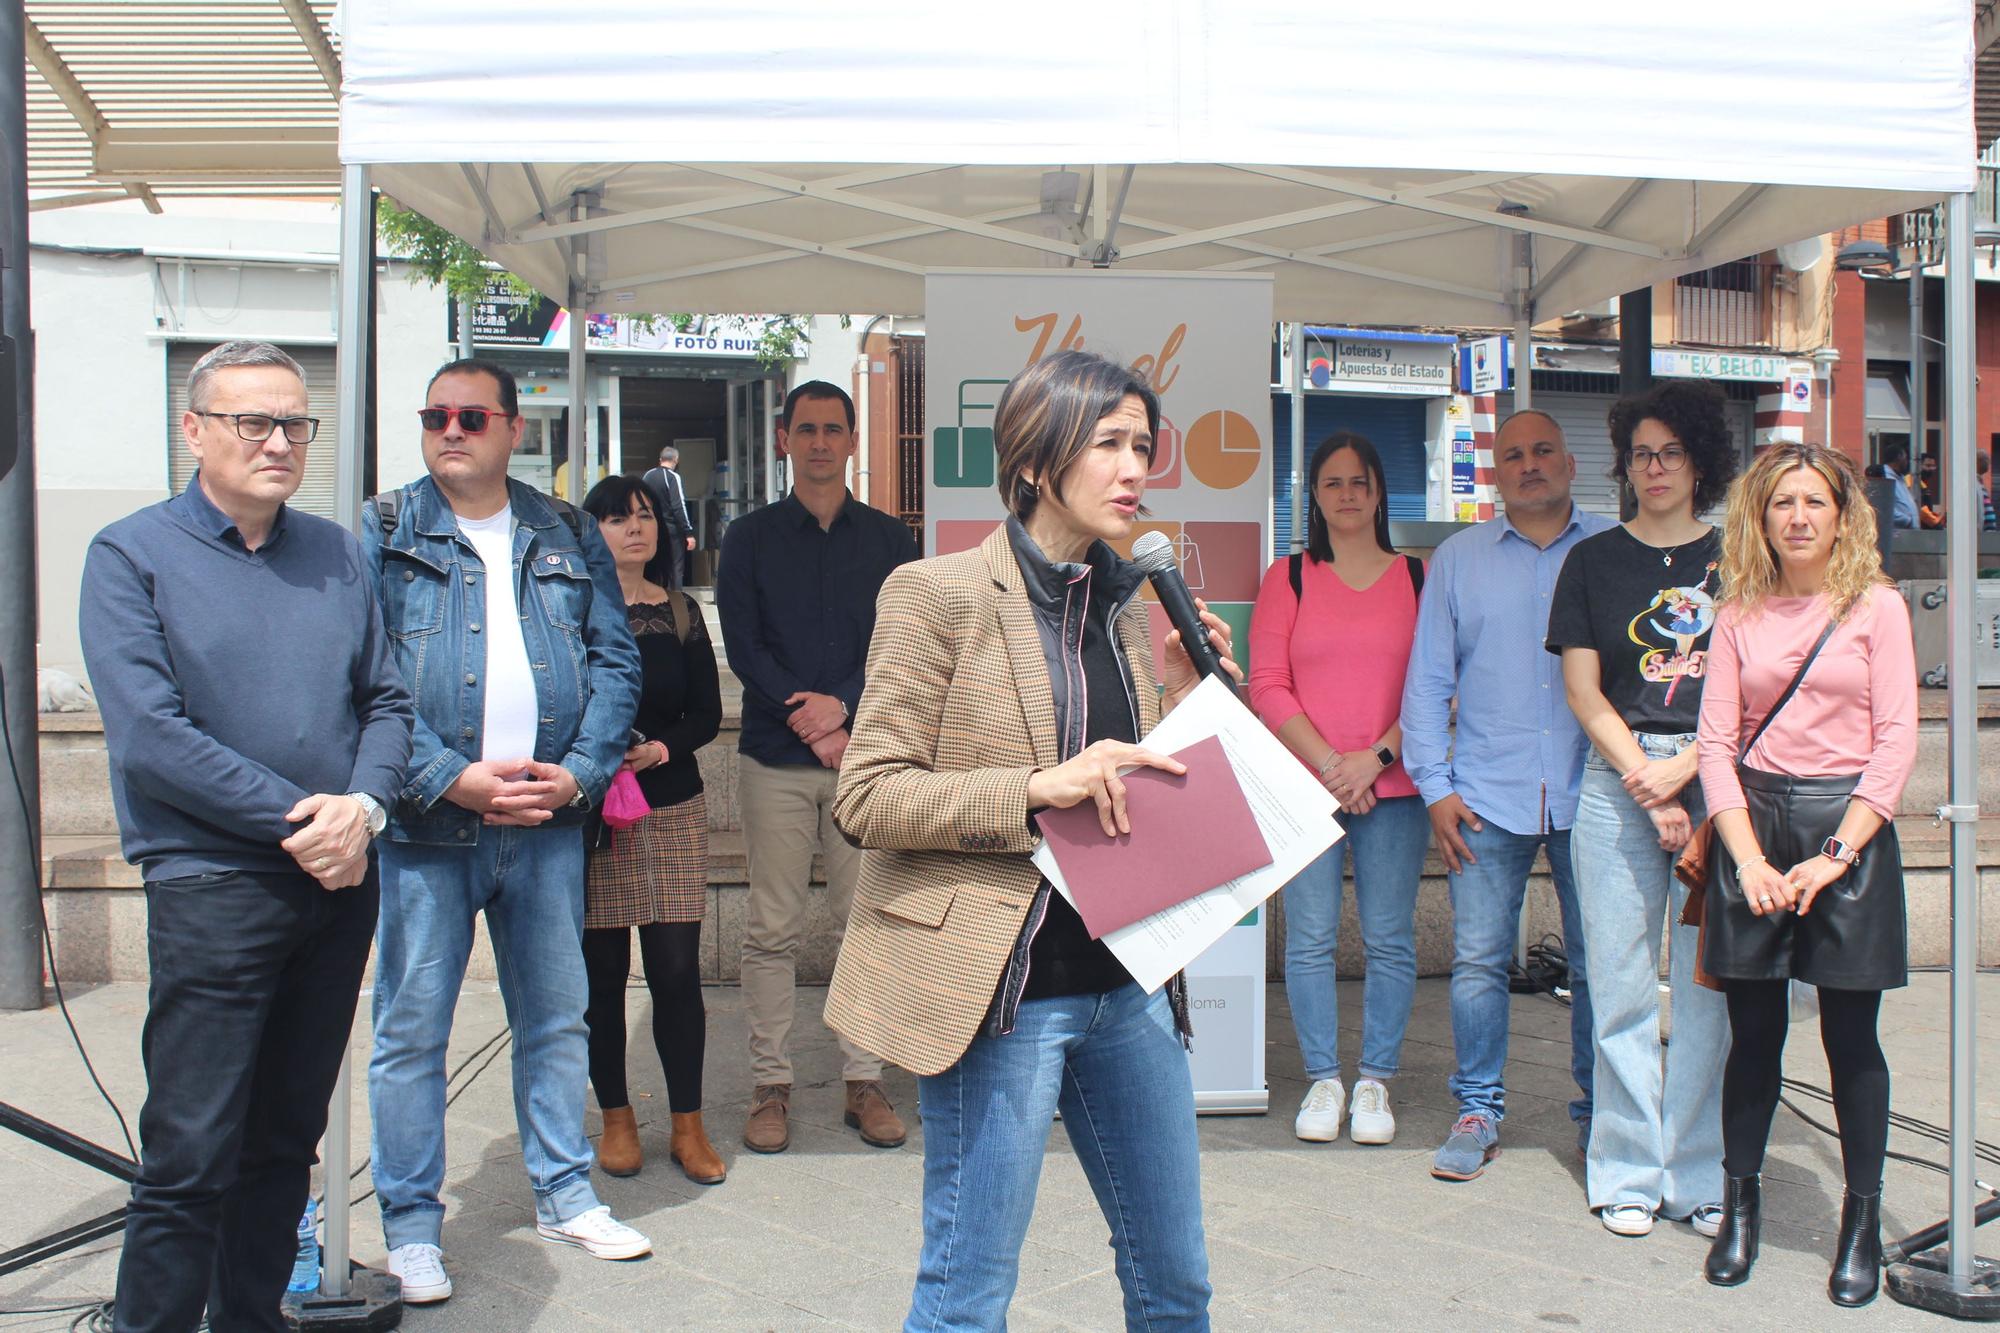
x=316 y=493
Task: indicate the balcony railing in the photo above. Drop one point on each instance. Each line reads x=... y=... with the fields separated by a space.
x=1726 y=306
x=1920 y=234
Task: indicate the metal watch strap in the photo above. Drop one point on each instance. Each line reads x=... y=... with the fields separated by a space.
x=371 y=809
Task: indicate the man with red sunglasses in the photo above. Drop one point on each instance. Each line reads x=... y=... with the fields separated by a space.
x=510 y=630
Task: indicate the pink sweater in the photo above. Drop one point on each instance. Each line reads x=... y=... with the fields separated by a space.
x=1341 y=664
x=1856 y=712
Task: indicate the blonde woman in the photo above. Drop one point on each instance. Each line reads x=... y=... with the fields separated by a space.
x=1811 y=661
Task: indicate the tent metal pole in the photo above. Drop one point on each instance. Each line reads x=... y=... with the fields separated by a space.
x=771 y=493
x=579 y=321
x=1524 y=362
x=357 y=274
x=1961 y=567
x=20 y=873
x=1295 y=386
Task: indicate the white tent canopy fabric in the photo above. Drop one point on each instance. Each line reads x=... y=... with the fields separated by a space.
x=1378 y=161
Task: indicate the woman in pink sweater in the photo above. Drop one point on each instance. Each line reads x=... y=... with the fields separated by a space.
x=1329 y=641
x=1807 y=882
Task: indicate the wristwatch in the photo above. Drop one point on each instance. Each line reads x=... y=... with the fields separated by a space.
x=1384 y=755
x=372 y=811
x=1833 y=849
x=579 y=801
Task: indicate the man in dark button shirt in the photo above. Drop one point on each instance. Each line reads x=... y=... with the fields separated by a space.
x=257 y=730
x=796 y=590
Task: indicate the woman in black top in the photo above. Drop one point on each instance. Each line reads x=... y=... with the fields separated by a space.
x=653 y=875
x=1631 y=618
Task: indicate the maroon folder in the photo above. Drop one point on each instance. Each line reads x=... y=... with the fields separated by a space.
x=1190 y=833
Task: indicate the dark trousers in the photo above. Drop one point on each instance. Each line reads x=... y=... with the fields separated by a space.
x=254 y=979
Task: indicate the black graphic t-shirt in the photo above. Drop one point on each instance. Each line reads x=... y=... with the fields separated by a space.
x=1647 y=611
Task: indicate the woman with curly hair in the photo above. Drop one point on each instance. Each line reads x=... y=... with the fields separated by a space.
x=1631 y=617
x=1812 y=662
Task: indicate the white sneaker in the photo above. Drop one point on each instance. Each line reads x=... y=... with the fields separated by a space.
x=1626 y=1219
x=1706 y=1220
x=598 y=1234
x=420 y=1268
x=1371 y=1121
x=1320 y=1112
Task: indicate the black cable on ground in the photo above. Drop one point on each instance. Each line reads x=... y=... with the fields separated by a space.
x=1547 y=972
x=32 y=826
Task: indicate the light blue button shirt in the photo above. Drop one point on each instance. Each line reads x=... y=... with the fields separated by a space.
x=1518 y=756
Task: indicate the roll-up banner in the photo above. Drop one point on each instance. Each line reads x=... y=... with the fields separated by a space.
x=1204 y=344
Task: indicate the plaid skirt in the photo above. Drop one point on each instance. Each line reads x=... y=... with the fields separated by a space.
x=654 y=871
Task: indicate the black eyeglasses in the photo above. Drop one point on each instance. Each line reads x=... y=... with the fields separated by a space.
x=471 y=420
x=1672 y=458
x=256 y=427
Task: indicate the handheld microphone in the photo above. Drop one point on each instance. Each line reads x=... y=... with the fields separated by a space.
x=1154 y=553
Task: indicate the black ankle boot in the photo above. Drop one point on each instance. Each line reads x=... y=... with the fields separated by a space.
x=1857 y=1262
x=1734 y=1249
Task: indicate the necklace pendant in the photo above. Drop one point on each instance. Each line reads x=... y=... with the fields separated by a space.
x=1668 y=560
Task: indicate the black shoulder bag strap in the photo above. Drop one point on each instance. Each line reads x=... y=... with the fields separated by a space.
x=1297 y=559
x=1786 y=697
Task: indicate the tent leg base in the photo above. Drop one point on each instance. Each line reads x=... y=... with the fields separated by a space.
x=374 y=1301
x=1924 y=1282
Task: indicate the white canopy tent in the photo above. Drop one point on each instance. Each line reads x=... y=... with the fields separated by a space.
x=1459 y=163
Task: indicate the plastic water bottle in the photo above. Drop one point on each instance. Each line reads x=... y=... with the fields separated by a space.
x=305 y=1270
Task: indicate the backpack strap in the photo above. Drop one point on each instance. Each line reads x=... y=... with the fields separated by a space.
x=1297 y=577
x=388 y=508
x=571 y=516
x=1416 y=568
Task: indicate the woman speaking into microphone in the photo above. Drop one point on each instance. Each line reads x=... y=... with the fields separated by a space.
x=1001 y=681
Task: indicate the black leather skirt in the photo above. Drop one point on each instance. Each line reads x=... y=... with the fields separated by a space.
x=1854 y=938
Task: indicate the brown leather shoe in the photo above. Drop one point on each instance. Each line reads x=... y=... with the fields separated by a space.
x=766 y=1130
x=868 y=1110
x=696 y=1155
x=618 y=1151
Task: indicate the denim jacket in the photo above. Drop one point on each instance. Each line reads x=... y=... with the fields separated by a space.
x=585 y=664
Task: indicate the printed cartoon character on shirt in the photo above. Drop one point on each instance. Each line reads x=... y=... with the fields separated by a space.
x=1680 y=617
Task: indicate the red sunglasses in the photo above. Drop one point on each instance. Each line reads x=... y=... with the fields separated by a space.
x=471 y=420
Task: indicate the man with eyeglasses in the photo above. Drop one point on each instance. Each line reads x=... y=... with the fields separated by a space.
x=257 y=729
x=504 y=609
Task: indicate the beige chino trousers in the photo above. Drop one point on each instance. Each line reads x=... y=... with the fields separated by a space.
x=787 y=816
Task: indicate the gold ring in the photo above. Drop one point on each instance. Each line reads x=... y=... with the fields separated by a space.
x=321 y=863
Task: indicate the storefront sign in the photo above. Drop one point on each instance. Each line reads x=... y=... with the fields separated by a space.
x=1364 y=365
x=1678 y=363
x=1486 y=365
x=505 y=318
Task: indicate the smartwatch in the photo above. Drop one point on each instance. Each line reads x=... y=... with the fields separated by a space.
x=1833 y=849
x=1384 y=755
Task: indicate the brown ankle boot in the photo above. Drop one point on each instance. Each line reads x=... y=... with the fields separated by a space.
x=770 y=1107
x=868 y=1110
x=696 y=1155
x=618 y=1151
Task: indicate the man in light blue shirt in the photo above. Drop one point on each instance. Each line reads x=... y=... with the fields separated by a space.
x=1506 y=784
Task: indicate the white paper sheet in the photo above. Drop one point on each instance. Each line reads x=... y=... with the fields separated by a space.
x=1295 y=813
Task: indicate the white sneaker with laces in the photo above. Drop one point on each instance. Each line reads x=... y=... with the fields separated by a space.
x=1320 y=1112
x=597 y=1233
x=1370 y=1120
x=420 y=1268
x=1706 y=1220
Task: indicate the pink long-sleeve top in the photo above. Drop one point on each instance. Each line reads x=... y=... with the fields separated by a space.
x=1855 y=713
x=1341 y=662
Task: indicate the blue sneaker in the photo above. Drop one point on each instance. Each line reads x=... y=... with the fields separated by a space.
x=1474 y=1142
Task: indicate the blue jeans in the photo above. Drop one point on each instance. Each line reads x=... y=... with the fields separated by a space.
x=1388 y=848
x=1486 y=902
x=1114 y=1066
x=1657 y=1137
x=529 y=882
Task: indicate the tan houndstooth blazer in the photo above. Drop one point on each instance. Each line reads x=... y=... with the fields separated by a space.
x=956 y=714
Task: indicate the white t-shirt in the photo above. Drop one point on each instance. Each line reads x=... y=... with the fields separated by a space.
x=508 y=730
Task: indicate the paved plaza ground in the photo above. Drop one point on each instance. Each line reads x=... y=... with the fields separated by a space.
x=826 y=1235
